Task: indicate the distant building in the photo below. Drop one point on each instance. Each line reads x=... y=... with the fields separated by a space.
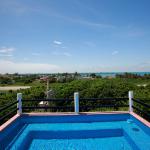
x=87 y=78
x=44 y=78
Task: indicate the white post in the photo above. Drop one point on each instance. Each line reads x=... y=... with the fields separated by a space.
x=47 y=87
x=76 y=102
x=130 y=101
x=19 y=104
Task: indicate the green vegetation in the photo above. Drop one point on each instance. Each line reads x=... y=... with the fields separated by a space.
x=65 y=85
x=93 y=87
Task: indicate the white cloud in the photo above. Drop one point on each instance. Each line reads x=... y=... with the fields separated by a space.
x=16 y=7
x=94 y=24
x=89 y=44
x=145 y=64
x=25 y=59
x=82 y=21
x=61 y=54
x=6 y=50
x=64 y=47
x=115 y=52
x=136 y=33
x=6 y=55
x=36 y=54
x=57 y=42
x=24 y=67
x=56 y=53
x=67 y=54
x=104 y=68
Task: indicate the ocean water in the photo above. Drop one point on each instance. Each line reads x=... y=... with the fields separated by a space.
x=113 y=74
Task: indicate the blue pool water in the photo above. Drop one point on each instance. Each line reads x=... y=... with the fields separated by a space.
x=76 y=132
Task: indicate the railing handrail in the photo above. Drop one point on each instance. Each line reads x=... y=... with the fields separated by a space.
x=140 y=102
x=62 y=99
x=82 y=99
x=110 y=105
x=46 y=107
x=107 y=98
x=5 y=116
x=44 y=99
x=71 y=99
x=142 y=111
x=8 y=105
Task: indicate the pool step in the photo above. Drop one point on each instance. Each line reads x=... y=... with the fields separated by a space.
x=76 y=134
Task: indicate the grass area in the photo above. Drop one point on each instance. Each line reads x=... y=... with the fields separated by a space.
x=14 y=88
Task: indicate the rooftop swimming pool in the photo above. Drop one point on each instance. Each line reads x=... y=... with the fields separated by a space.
x=76 y=132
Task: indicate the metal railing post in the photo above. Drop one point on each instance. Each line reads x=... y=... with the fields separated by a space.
x=130 y=101
x=19 y=104
x=76 y=102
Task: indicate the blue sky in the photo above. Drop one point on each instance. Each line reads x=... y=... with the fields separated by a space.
x=74 y=35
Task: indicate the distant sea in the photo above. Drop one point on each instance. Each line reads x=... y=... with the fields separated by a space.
x=113 y=74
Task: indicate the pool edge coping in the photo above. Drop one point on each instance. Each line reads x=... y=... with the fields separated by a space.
x=11 y=120
x=72 y=113
x=7 y=123
x=144 y=121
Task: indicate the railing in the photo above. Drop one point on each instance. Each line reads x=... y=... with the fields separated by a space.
x=53 y=105
x=102 y=104
x=8 y=111
x=142 y=108
x=76 y=105
x=85 y=104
